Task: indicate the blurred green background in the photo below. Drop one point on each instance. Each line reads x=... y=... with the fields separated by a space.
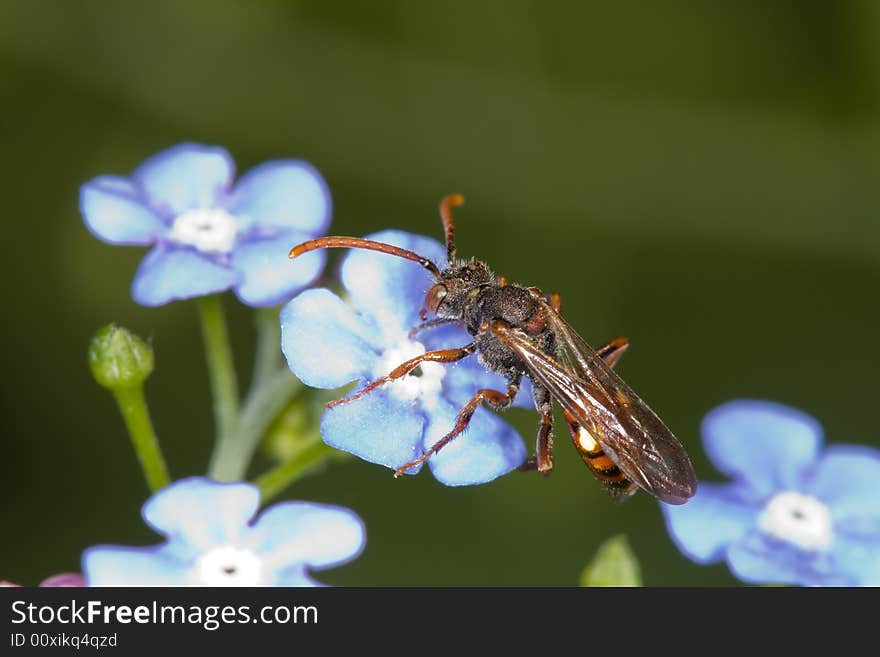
x=701 y=177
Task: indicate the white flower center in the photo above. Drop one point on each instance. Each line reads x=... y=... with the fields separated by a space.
x=210 y=230
x=799 y=519
x=423 y=383
x=226 y=565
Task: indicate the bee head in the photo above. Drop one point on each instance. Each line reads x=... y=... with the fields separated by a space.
x=455 y=287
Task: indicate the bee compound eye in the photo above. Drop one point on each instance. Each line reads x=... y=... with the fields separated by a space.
x=435 y=296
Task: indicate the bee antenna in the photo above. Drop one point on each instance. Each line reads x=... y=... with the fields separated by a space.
x=446 y=205
x=358 y=243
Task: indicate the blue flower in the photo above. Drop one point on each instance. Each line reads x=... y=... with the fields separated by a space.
x=208 y=236
x=214 y=540
x=328 y=343
x=793 y=514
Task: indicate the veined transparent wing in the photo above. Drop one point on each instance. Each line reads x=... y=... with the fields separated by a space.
x=628 y=430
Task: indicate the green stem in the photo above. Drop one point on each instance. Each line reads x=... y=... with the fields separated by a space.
x=280 y=477
x=221 y=371
x=133 y=407
x=263 y=404
x=268 y=356
x=271 y=388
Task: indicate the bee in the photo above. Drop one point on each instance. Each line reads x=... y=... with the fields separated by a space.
x=519 y=332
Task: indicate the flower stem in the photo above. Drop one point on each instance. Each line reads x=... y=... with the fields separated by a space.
x=274 y=481
x=263 y=404
x=271 y=388
x=268 y=356
x=224 y=385
x=133 y=407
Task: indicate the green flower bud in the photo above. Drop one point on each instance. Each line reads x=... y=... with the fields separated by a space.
x=119 y=358
x=614 y=565
x=293 y=431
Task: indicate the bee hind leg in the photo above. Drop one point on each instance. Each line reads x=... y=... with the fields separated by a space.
x=612 y=351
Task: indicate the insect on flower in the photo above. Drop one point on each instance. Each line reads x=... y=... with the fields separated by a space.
x=519 y=332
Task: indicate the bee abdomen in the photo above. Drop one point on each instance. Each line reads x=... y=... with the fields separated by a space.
x=599 y=463
x=608 y=473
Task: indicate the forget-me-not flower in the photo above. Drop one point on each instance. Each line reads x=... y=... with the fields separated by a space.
x=794 y=513
x=208 y=235
x=213 y=539
x=329 y=343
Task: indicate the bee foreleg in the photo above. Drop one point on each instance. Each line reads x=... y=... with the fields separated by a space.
x=431 y=323
x=439 y=356
x=493 y=398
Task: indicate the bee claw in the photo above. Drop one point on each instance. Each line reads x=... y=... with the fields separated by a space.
x=407 y=466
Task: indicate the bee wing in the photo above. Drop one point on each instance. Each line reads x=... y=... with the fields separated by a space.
x=602 y=403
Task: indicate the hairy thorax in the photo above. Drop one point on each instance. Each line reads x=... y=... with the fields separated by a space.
x=516 y=306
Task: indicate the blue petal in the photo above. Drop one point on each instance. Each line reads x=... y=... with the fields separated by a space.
x=487 y=449
x=269 y=275
x=376 y=428
x=168 y=273
x=447 y=336
x=387 y=288
x=114 y=211
x=857 y=557
x=325 y=343
x=108 y=565
x=762 y=560
x=287 y=194
x=526 y=396
x=317 y=535
x=766 y=445
x=200 y=513
x=847 y=479
x=186 y=177
x=714 y=518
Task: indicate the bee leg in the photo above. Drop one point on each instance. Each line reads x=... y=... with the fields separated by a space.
x=544 y=445
x=493 y=398
x=612 y=351
x=439 y=356
x=554 y=299
x=543 y=459
x=431 y=323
